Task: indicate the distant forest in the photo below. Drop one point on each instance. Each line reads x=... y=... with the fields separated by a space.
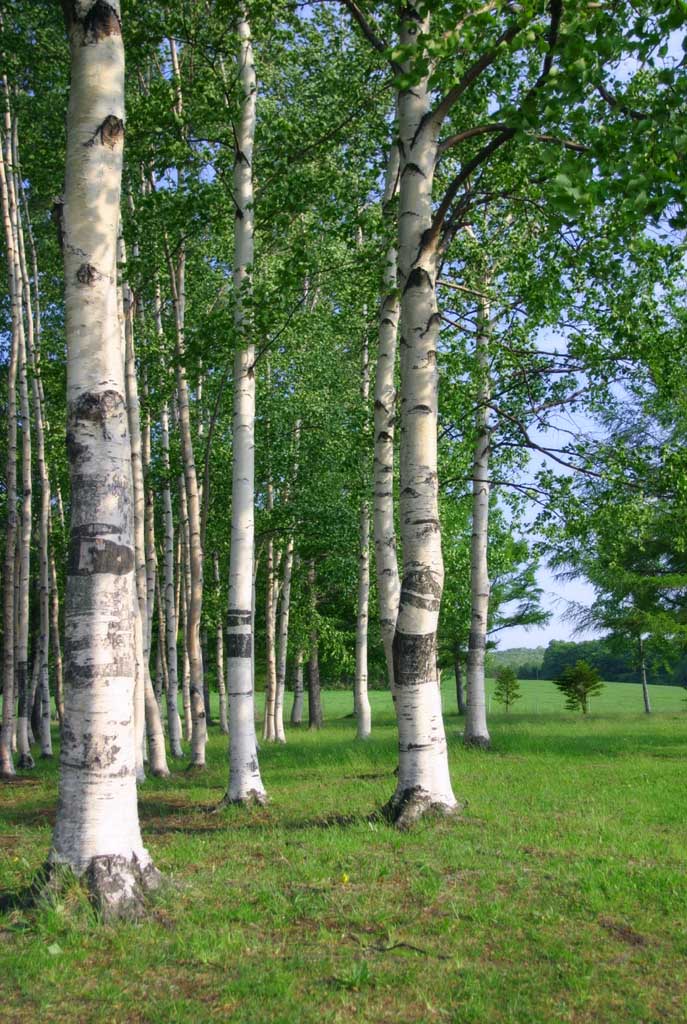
x=615 y=659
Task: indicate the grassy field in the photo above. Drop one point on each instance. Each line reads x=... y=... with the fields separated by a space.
x=560 y=894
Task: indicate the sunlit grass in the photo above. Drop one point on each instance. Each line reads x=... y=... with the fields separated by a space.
x=560 y=894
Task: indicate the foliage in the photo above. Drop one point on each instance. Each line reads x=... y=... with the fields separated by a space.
x=579 y=682
x=507 y=689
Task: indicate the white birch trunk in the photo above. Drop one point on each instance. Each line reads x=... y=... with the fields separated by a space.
x=14 y=280
x=245 y=782
x=645 y=686
x=219 y=647
x=363 y=711
x=32 y=340
x=386 y=562
x=156 y=740
x=476 y=731
x=173 y=720
x=25 y=758
x=423 y=779
x=269 y=730
x=97 y=833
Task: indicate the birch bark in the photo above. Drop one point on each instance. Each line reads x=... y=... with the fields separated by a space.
x=423 y=780
x=14 y=282
x=97 y=833
x=363 y=712
x=476 y=731
x=219 y=647
x=245 y=782
x=386 y=562
x=173 y=720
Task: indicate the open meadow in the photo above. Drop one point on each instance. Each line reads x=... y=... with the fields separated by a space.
x=559 y=894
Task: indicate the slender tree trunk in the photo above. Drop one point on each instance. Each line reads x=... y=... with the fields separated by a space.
x=195 y=553
x=269 y=732
x=245 y=782
x=423 y=779
x=460 y=694
x=97 y=832
x=284 y=612
x=386 y=562
x=156 y=738
x=315 y=717
x=14 y=281
x=55 y=637
x=173 y=720
x=297 y=707
x=363 y=711
x=32 y=339
x=645 y=686
x=476 y=730
x=23 y=681
x=221 y=687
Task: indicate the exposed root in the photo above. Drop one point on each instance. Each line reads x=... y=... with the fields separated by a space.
x=196 y=767
x=407 y=807
x=26 y=762
x=253 y=798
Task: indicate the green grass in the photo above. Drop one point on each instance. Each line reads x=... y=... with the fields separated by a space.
x=560 y=894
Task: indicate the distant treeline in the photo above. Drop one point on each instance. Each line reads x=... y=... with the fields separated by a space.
x=616 y=662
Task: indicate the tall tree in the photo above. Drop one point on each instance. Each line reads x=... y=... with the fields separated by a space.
x=97 y=833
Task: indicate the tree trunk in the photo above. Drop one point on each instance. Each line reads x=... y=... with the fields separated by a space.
x=97 y=832
x=645 y=686
x=284 y=612
x=156 y=738
x=32 y=339
x=14 y=281
x=476 y=731
x=423 y=778
x=55 y=636
x=315 y=717
x=386 y=562
x=460 y=694
x=363 y=712
x=245 y=783
x=221 y=687
x=297 y=707
x=170 y=639
x=269 y=732
x=177 y=276
x=23 y=681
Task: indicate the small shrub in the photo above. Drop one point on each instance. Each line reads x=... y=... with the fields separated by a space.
x=579 y=682
x=507 y=689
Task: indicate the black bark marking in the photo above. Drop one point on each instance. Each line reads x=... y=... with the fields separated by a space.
x=418 y=278
x=477 y=641
x=424 y=410
x=239 y=645
x=415 y=658
x=99 y=22
x=421 y=581
x=57 y=215
x=110 y=132
x=413 y=169
x=87 y=274
x=91 y=555
x=236 y=617
x=96 y=407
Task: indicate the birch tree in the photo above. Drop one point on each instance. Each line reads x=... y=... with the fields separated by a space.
x=245 y=782
x=97 y=834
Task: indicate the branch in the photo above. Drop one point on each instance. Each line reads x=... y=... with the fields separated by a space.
x=440 y=112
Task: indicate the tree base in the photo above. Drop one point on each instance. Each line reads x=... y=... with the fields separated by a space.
x=477 y=742
x=253 y=798
x=160 y=773
x=196 y=767
x=407 y=807
x=26 y=762
x=117 y=887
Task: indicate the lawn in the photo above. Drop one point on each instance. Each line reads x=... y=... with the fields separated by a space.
x=559 y=894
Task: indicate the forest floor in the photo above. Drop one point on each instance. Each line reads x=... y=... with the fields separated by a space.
x=560 y=893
